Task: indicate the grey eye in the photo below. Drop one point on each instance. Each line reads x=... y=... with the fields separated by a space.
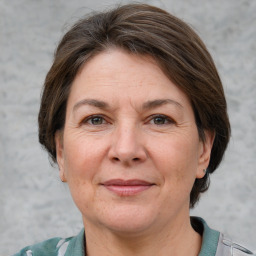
x=159 y=120
x=96 y=120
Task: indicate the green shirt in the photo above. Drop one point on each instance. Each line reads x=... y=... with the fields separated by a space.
x=74 y=246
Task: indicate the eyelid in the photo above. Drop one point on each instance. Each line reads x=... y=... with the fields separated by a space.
x=106 y=119
x=169 y=119
x=90 y=117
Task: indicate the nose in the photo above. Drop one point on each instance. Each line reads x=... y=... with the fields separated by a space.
x=127 y=146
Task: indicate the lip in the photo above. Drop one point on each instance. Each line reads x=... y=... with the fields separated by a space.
x=127 y=187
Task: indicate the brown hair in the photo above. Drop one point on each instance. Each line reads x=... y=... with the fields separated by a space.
x=145 y=30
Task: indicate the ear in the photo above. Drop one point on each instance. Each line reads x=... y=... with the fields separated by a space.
x=60 y=154
x=205 y=149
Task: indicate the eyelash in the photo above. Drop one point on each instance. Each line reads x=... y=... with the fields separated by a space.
x=89 y=119
x=165 y=119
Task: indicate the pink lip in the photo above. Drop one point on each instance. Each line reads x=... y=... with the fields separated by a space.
x=127 y=187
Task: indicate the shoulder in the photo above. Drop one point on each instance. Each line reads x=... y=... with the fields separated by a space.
x=49 y=247
x=216 y=243
x=56 y=247
x=228 y=247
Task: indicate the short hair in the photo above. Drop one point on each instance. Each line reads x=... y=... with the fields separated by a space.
x=143 y=30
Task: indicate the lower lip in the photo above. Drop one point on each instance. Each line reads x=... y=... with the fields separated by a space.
x=128 y=190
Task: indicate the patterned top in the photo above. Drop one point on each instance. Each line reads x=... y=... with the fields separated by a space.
x=213 y=244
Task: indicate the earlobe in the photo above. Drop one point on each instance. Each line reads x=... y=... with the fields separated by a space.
x=60 y=154
x=205 y=153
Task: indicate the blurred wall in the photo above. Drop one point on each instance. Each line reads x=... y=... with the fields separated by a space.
x=34 y=204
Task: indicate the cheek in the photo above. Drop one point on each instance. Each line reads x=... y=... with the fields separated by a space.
x=80 y=166
x=177 y=159
x=82 y=158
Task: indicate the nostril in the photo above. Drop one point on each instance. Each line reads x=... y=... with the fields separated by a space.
x=136 y=159
x=116 y=159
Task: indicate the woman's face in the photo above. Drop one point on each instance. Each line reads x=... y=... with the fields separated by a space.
x=130 y=150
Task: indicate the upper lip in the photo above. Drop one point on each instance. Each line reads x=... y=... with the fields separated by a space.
x=132 y=182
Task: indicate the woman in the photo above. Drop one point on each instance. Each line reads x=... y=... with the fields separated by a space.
x=133 y=112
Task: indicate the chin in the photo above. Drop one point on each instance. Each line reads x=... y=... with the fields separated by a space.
x=128 y=227
x=129 y=220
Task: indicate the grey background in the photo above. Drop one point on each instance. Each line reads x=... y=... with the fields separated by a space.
x=34 y=204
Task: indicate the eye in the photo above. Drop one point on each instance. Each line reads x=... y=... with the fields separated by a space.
x=95 y=120
x=161 y=120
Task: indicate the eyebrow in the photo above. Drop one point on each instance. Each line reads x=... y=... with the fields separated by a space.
x=159 y=102
x=92 y=102
x=147 y=105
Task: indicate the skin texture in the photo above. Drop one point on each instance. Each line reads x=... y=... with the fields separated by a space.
x=126 y=120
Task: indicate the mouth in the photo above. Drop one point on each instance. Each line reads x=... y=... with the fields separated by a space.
x=127 y=187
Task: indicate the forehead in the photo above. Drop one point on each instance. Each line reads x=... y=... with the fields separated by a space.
x=116 y=74
x=118 y=64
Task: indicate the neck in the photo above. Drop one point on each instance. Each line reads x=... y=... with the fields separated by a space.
x=180 y=239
